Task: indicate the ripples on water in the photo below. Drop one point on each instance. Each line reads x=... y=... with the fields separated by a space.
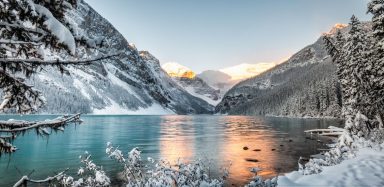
x=219 y=139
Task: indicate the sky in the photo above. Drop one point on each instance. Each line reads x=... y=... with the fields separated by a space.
x=214 y=34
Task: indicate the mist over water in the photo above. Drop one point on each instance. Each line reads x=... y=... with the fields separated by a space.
x=217 y=139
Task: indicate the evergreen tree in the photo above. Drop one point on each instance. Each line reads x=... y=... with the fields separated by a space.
x=355 y=99
x=28 y=28
x=359 y=59
x=375 y=77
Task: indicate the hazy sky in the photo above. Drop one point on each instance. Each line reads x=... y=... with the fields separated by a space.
x=213 y=34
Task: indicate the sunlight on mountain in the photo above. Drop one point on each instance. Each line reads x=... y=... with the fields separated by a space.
x=177 y=70
x=337 y=27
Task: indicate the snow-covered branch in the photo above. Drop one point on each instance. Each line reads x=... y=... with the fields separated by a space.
x=19 y=42
x=23 y=28
x=58 y=122
x=40 y=62
x=25 y=179
x=12 y=128
x=18 y=95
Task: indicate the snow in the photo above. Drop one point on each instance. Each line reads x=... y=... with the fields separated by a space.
x=206 y=98
x=49 y=80
x=81 y=73
x=366 y=169
x=62 y=33
x=80 y=86
x=116 y=109
x=115 y=80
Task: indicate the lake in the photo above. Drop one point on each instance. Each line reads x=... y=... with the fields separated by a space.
x=219 y=139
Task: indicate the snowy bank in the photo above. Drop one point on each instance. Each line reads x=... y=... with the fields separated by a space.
x=366 y=169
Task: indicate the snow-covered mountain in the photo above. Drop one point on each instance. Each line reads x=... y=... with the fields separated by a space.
x=196 y=86
x=306 y=85
x=224 y=79
x=133 y=84
x=217 y=80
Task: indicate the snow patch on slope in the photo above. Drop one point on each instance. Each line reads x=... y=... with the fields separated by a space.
x=204 y=97
x=115 y=80
x=80 y=86
x=50 y=81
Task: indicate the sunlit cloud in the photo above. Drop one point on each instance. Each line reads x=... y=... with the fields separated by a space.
x=245 y=70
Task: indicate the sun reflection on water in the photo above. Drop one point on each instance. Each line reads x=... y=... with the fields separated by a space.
x=180 y=139
x=246 y=133
x=176 y=142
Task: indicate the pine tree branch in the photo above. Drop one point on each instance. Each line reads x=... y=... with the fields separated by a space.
x=6 y=137
x=37 y=61
x=332 y=45
x=18 y=94
x=18 y=42
x=18 y=26
x=51 y=123
x=15 y=124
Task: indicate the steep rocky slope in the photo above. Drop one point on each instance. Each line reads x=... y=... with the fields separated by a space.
x=132 y=84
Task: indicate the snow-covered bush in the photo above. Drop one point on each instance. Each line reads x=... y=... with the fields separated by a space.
x=257 y=181
x=137 y=172
x=90 y=174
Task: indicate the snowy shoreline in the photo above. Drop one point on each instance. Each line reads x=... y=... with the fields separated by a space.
x=366 y=169
x=304 y=117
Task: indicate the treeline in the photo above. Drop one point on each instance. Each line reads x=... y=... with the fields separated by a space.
x=359 y=56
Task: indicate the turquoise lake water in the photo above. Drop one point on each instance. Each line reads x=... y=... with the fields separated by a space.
x=219 y=139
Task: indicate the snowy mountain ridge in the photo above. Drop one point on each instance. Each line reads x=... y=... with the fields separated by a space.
x=306 y=85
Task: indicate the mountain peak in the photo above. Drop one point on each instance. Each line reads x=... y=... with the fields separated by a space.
x=337 y=27
x=177 y=70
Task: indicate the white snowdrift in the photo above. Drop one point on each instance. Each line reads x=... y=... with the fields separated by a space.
x=366 y=169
